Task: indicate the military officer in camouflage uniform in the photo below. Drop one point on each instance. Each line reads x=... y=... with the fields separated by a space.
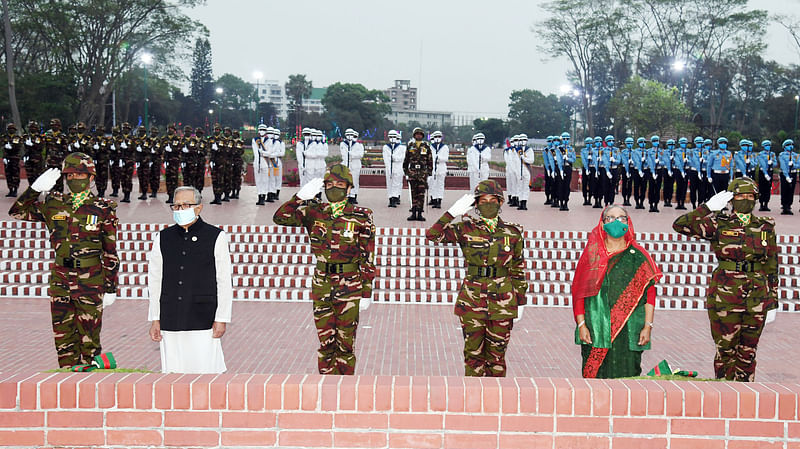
x=343 y=240
x=114 y=160
x=495 y=284
x=156 y=154
x=417 y=166
x=217 y=163
x=127 y=161
x=34 y=152
x=198 y=147
x=12 y=144
x=237 y=164
x=57 y=145
x=143 y=161
x=171 y=143
x=83 y=230
x=101 y=154
x=744 y=286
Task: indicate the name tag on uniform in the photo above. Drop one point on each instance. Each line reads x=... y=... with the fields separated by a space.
x=60 y=217
x=730 y=233
x=475 y=238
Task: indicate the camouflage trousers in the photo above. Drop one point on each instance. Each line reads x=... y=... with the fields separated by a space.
x=12 y=172
x=236 y=174
x=336 y=298
x=197 y=175
x=155 y=175
x=220 y=177
x=116 y=173
x=101 y=179
x=418 y=188
x=33 y=168
x=736 y=336
x=171 y=174
x=126 y=178
x=76 y=328
x=143 y=173
x=485 y=343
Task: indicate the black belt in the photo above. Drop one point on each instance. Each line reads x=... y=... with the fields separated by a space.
x=337 y=268
x=486 y=271
x=743 y=265
x=74 y=262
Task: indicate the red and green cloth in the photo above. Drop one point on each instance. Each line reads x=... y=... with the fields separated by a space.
x=102 y=361
x=663 y=369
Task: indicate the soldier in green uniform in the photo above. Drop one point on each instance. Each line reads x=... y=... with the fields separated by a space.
x=227 y=154
x=744 y=286
x=56 y=145
x=127 y=161
x=171 y=143
x=343 y=240
x=217 y=163
x=115 y=160
x=83 y=233
x=417 y=166
x=143 y=161
x=237 y=164
x=34 y=151
x=495 y=284
x=197 y=156
x=101 y=154
x=154 y=170
x=12 y=153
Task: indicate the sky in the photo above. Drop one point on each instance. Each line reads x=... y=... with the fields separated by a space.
x=463 y=55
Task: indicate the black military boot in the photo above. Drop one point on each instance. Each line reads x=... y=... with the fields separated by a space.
x=523 y=205
x=547 y=201
x=216 y=200
x=680 y=207
x=587 y=202
x=277 y=195
x=626 y=202
x=391 y=202
x=101 y=193
x=597 y=204
x=413 y=216
x=787 y=211
x=270 y=197
x=153 y=195
x=512 y=201
x=563 y=206
x=419 y=215
x=763 y=208
x=114 y=193
x=555 y=203
x=225 y=197
x=169 y=198
x=143 y=196
x=126 y=197
x=431 y=202
x=260 y=200
x=438 y=204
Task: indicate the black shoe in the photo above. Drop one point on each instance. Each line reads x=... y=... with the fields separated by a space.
x=260 y=201
x=597 y=205
x=225 y=197
x=564 y=207
x=216 y=200
x=101 y=193
x=114 y=193
x=413 y=216
x=680 y=207
x=431 y=202
x=787 y=212
x=143 y=196
x=668 y=204
x=153 y=195
x=587 y=203
x=391 y=202
x=626 y=203
x=169 y=198
x=523 y=205
x=10 y=194
x=547 y=202
x=270 y=197
x=126 y=197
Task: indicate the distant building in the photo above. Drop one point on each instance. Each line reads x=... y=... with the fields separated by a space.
x=273 y=91
x=402 y=96
x=430 y=119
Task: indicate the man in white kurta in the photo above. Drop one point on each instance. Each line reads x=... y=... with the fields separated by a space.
x=191 y=293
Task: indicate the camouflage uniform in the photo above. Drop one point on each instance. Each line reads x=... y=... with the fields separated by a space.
x=494 y=287
x=345 y=250
x=57 y=145
x=743 y=287
x=143 y=160
x=86 y=262
x=217 y=146
x=154 y=170
x=173 y=147
x=127 y=161
x=101 y=146
x=417 y=166
x=34 y=152
x=237 y=164
x=196 y=160
x=12 y=144
x=228 y=145
x=114 y=159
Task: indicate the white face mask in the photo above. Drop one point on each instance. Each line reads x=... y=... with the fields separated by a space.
x=184 y=217
x=262 y=133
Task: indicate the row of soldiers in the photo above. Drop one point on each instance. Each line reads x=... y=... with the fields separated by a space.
x=122 y=153
x=654 y=172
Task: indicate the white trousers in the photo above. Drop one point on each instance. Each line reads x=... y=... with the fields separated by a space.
x=261 y=173
x=275 y=177
x=191 y=352
x=394 y=181
x=523 y=185
x=315 y=168
x=436 y=182
x=355 y=172
x=512 y=181
x=476 y=177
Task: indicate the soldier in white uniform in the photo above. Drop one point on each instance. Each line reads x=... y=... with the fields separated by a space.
x=315 y=157
x=260 y=147
x=394 y=152
x=277 y=150
x=478 y=157
x=526 y=156
x=352 y=151
x=441 y=154
x=301 y=149
x=511 y=158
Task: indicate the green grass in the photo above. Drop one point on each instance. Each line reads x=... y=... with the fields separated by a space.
x=117 y=370
x=673 y=377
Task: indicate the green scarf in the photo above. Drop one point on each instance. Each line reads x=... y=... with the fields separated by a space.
x=79 y=198
x=491 y=223
x=337 y=209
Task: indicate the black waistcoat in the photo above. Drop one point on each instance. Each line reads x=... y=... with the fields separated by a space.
x=189 y=277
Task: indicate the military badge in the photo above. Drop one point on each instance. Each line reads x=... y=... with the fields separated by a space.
x=91 y=223
x=60 y=217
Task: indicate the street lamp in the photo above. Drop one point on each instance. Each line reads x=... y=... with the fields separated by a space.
x=220 y=91
x=796 y=109
x=147 y=58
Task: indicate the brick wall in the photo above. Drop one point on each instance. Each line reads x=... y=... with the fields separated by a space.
x=138 y=410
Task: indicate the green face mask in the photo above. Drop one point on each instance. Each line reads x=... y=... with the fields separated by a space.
x=336 y=194
x=615 y=229
x=743 y=206
x=489 y=210
x=77 y=185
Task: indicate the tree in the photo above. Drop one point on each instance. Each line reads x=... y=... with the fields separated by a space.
x=12 y=92
x=494 y=129
x=202 y=79
x=537 y=115
x=297 y=88
x=267 y=113
x=648 y=107
x=355 y=106
x=96 y=41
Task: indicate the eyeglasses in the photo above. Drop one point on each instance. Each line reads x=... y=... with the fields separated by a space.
x=183 y=206
x=622 y=219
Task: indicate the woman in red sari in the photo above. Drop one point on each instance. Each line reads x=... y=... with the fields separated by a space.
x=613 y=298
